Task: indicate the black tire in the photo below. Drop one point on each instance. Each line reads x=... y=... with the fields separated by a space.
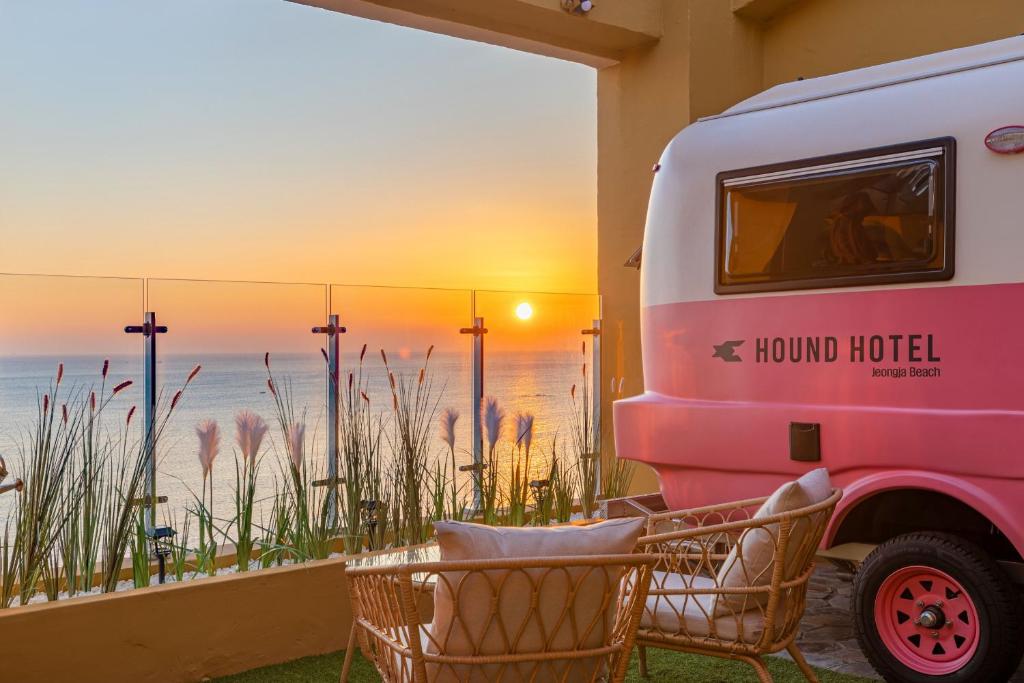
x=996 y=600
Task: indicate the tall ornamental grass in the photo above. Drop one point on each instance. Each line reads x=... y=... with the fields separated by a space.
x=124 y=486
x=446 y=493
x=83 y=509
x=415 y=404
x=79 y=513
x=519 y=492
x=488 y=482
x=309 y=507
x=250 y=429
x=361 y=437
x=581 y=441
x=617 y=474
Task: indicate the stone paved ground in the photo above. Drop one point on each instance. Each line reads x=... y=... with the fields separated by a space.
x=827 y=638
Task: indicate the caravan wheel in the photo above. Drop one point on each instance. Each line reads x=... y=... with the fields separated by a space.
x=933 y=607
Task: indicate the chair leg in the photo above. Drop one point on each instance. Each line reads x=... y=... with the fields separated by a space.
x=641 y=658
x=349 y=652
x=798 y=657
x=763 y=674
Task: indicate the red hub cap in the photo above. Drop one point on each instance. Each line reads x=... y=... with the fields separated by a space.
x=927 y=620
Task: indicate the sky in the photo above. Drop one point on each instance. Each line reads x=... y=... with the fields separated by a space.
x=263 y=140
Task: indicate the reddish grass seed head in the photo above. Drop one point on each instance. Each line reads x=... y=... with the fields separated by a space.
x=192 y=375
x=60 y=372
x=121 y=387
x=106 y=368
x=131 y=413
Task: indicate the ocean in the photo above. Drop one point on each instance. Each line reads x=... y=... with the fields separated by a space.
x=538 y=383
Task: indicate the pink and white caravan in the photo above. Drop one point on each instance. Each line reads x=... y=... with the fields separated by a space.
x=833 y=275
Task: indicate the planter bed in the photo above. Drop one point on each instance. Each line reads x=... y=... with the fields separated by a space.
x=198 y=629
x=181 y=632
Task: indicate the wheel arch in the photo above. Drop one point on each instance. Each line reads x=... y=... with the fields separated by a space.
x=883 y=505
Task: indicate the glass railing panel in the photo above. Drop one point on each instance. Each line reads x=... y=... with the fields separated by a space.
x=406 y=323
x=230 y=329
x=73 y=323
x=538 y=361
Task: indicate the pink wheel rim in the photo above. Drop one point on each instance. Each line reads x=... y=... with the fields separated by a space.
x=927 y=620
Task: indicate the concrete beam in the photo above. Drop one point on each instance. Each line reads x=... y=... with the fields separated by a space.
x=760 y=10
x=600 y=38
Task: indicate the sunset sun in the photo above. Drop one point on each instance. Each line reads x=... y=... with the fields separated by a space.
x=524 y=311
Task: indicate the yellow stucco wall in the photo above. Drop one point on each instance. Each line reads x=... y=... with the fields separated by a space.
x=825 y=36
x=663 y=63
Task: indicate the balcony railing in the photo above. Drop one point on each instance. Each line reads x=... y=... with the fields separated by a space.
x=534 y=353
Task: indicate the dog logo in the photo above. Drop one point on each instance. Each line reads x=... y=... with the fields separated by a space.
x=727 y=351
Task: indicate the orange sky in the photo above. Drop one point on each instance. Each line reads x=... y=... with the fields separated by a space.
x=74 y=316
x=261 y=140
x=257 y=139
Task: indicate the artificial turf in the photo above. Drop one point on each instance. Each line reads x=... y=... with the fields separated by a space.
x=662 y=665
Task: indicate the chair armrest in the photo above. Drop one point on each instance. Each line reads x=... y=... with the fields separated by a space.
x=735 y=527
x=705 y=516
x=696 y=537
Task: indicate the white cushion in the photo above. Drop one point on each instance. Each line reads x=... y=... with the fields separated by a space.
x=533 y=610
x=468 y=541
x=816 y=485
x=695 y=615
x=405 y=675
x=751 y=560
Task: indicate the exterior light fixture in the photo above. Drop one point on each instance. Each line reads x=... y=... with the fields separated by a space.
x=577 y=6
x=161 y=537
x=368 y=515
x=634 y=260
x=541 y=488
x=1006 y=140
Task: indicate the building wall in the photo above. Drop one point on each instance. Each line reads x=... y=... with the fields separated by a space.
x=817 y=37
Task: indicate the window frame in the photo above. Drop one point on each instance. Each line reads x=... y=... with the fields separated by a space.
x=948 y=208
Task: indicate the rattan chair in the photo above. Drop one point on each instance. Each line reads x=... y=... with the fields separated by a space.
x=558 y=619
x=708 y=597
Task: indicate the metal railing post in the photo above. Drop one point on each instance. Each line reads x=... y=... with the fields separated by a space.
x=333 y=330
x=597 y=384
x=333 y=428
x=478 y=331
x=149 y=331
x=595 y=397
x=478 y=402
x=149 y=393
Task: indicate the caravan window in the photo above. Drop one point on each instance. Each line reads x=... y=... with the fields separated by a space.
x=865 y=218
